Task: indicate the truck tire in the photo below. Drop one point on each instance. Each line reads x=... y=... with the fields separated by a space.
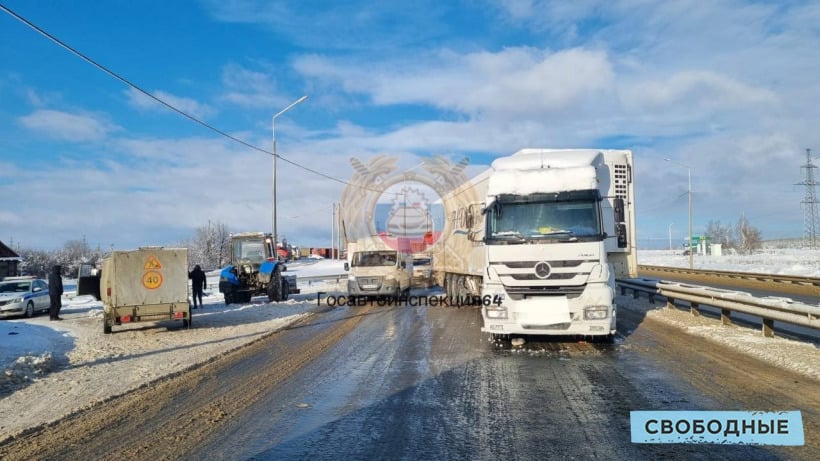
x=186 y=323
x=608 y=339
x=275 y=287
x=106 y=326
x=274 y=291
x=285 y=290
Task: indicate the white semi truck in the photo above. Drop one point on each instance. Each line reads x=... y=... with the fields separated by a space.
x=538 y=240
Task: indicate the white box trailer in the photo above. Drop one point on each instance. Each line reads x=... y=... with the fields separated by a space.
x=539 y=239
x=148 y=284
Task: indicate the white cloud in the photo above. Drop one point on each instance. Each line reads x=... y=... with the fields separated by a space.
x=9 y=218
x=697 y=90
x=249 y=88
x=386 y=25
x=521 y=80
x=188 y=105
x=65 y=125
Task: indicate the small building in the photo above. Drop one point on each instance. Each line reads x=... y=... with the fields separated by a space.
x=9 y=260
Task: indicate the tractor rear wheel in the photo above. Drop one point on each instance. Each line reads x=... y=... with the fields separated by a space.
x=276 y=288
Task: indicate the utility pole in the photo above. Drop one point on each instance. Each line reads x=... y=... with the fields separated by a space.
x=332 y=230
x=339 y=230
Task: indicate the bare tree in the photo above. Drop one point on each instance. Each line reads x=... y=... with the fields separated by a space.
x=749 y=236
x=73 y=253
x=209 y=246
x=721 y=234
x=35 y=262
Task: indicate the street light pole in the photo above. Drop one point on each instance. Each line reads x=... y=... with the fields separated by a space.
x=273 y=207
x=689 y=173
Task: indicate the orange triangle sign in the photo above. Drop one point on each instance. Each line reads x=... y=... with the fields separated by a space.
x=152 y=263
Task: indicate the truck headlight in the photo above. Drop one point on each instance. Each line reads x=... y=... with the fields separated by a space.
x=495 y=312
x=596 y=312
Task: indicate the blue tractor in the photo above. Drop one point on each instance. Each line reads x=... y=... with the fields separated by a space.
x=254 y=270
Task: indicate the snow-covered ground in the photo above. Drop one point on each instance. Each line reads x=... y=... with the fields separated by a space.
x=51 y=369
x=804 y=263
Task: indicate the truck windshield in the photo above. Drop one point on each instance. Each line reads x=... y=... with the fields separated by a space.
x=249 y=250
x=422 y=261
x=544 y=218
x=374 y=258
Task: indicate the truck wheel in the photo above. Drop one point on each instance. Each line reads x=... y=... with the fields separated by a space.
x=186 y=323
x=106 y=326
x=608 y=339
x=275 y=288
x=274 y=291
x=285 y=290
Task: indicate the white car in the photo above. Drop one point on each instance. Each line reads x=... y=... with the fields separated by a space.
x=23 y=297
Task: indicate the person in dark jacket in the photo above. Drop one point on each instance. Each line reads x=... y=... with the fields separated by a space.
x=197 y=284
x=55 y=292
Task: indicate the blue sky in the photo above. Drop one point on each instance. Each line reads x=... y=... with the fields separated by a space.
x=729 y=88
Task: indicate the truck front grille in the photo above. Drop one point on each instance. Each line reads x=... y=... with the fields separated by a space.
x=369 y=283
x=545 y=290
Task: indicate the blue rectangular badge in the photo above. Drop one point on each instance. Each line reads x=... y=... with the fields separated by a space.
x=724 y=427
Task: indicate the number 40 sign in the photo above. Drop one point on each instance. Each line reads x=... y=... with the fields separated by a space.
x=152 y=279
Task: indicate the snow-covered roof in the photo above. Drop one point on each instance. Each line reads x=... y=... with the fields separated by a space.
x=531 y=171
x=542 y=181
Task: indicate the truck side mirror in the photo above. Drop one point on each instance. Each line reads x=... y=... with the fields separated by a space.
x=620 y=222
x=475 y=236
x=347 y=266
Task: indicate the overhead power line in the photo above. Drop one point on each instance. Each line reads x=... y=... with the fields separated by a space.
x=164 y=103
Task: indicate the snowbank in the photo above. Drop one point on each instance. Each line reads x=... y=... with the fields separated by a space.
x=798 y=356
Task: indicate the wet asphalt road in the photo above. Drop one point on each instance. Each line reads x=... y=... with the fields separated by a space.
x=424 y=383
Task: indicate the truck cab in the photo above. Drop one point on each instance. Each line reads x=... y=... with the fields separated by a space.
x=423 y=271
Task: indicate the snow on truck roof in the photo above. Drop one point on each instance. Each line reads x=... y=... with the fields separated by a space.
x=531 y=159
x=531 y=171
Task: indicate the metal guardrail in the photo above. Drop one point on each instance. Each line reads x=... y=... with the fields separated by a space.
x=805 y=286
x=769 y=309
x=319 y=278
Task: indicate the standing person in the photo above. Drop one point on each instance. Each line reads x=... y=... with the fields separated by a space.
x=197 y=284
x=55 y=292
